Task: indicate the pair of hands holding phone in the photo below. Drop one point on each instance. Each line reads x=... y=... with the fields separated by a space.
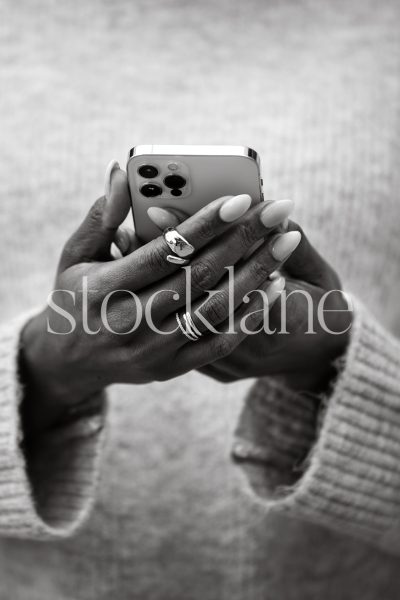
x=84 y=356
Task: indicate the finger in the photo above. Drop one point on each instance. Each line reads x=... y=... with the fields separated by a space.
x=116 y=191
x=209 y=268
x=93 y=239
x=215 y=306
x=214 y=347
x=115 y=252
x=166 y=217
x=149 y=263
x=308 y=265
x=126 y=241
x=208 y=314
x=216 y=311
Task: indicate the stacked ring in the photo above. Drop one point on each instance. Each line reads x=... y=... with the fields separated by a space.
x=188 y=327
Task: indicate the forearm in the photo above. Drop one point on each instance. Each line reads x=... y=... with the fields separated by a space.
x=341 y=465
x=36 y=479
x=51 y=396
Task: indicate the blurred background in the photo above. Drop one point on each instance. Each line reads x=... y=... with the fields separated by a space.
x=82 y=82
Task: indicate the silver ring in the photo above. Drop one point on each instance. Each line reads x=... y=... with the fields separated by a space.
x=177 y=243
x=188 y=319
x=188 y=329
x=177 y=260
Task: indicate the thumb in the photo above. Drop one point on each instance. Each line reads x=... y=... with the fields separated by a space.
x=93 y=238
x=308 y=265
x=116 y=192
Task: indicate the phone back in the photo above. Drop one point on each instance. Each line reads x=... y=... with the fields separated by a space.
x=187 y=178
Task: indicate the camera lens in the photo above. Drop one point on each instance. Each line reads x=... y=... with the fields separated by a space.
x=148 y=171
x=150 y=190
x=174 y=181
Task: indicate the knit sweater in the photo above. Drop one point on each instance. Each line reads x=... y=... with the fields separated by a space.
x=193 y=489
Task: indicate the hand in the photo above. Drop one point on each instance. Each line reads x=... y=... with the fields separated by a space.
x=84 y=356
x=302 y=360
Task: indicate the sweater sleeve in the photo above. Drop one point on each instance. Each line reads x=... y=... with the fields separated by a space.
x=45 y=493
x=339 y=466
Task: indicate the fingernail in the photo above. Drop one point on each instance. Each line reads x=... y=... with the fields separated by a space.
x=276 y=212
x=274 y=275
x=274 y=290
x=284 y=244
x=161 y=217
x=234 y=208
x=122 y=240
x=108 y=176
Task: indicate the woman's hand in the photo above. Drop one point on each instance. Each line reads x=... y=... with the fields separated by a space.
x=301 y=359
x=78 y=345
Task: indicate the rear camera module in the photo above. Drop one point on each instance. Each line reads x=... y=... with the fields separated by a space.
x=175 y=181
x=150 y=190
x=148 y=171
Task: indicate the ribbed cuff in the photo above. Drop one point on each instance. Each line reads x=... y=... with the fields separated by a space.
x=48 y=493
x=274 y=435
x=351 y=478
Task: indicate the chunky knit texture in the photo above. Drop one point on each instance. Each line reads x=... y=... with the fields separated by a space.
x=351 y=480
x=50 y=495
x=314 y=87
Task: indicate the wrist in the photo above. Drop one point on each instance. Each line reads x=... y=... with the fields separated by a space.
x=321 y=370
x=50 y=389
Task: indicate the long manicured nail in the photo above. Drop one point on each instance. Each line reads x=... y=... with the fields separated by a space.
x=275 y=289
x=108 y=176
x=161 y=217
x=284 y=244
x=276 y=212
x=234 y=208
x=274 y=275
x=285 y=225
x=122 y=240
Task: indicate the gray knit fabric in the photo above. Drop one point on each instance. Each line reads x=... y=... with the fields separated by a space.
x=315 y=88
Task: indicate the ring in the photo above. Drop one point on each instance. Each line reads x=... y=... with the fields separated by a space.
x=187 y=317
x=177 y=260
x=177 y=243
x=188 y=329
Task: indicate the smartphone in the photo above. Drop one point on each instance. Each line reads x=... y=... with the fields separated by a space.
x=187 y=178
